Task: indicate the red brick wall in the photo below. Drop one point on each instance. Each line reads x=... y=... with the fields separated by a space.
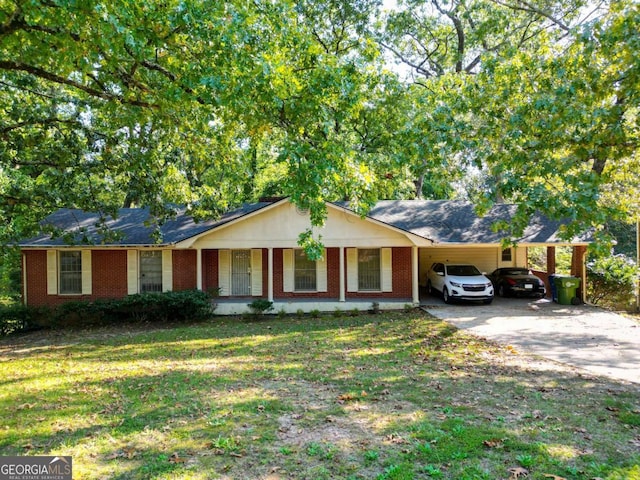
x=185 y=275
x=108 y=274
x=209 y=269
x=109 y=277
x=333 y=277
x=35 y=273
x=401 y=277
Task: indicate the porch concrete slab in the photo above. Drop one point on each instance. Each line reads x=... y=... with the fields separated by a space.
x=584 y=336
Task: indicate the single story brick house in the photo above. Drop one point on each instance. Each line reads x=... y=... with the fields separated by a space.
x=252 y=252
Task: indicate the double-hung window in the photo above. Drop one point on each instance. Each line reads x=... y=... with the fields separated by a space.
x=300 y=274
x=305 y=276
x=70 y=270
x=369 y=269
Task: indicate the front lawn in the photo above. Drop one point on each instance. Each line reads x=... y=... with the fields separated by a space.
x=389 y=396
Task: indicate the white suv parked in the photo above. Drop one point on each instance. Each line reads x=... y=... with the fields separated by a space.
x=459 y=282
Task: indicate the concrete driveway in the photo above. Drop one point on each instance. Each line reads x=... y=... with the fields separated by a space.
x=584 y=336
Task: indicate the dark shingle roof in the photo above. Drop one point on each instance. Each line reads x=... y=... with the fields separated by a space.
x=441 y=221
x=134 y=226
x=454 y=222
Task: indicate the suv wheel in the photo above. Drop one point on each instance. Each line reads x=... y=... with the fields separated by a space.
x=445 y=295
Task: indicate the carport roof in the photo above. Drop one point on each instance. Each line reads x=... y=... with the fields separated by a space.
x=440 y=221
x=456 y=222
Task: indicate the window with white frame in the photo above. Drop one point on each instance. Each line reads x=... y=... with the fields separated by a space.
x=70 y=270
x=151 y=271
x=369 y=269
x=299 y=274
x=304 y=272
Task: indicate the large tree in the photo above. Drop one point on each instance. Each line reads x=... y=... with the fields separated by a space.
x=541 y=101
x=110 y=103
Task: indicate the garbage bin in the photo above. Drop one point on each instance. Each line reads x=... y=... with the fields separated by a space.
x=566 y=287
x=552 y=286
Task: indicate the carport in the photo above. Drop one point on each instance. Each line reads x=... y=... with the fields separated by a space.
x=489 y=257
x=458 y=235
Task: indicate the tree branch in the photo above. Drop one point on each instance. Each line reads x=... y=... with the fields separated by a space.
x=47 y=121
x=416 y=66
x=52 y=77
x=527 y=7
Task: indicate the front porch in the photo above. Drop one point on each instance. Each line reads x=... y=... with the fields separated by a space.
x=239 y=306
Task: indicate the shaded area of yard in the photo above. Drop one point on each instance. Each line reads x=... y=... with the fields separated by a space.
x=390 y=396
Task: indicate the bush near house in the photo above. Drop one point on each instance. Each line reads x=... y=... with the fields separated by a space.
x=15 y=317
x=153 y=307
x=611 y=282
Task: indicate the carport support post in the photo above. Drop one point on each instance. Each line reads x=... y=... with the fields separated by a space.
x=578 y=269
x=551 y=267
x=551 y=260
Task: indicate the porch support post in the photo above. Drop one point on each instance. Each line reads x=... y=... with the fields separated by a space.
x=270 y=274
x=414 y=275
x=199 y=268
x=342 y=282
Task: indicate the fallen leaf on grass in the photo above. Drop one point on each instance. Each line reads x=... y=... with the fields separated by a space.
x=126 y=452
x=175 y=458
x=346 y=397
x=493 y=443
x=395 y=438
x=553 y=477
x=517 y=472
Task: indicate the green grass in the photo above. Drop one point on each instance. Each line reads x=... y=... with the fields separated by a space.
x=388 y=396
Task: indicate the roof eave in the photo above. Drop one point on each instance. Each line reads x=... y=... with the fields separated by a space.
x=419 y=240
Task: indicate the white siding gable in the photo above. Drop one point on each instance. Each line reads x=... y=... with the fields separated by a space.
x=280 y=226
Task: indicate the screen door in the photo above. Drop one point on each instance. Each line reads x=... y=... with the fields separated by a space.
x=151 y=271
x=241 y=272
